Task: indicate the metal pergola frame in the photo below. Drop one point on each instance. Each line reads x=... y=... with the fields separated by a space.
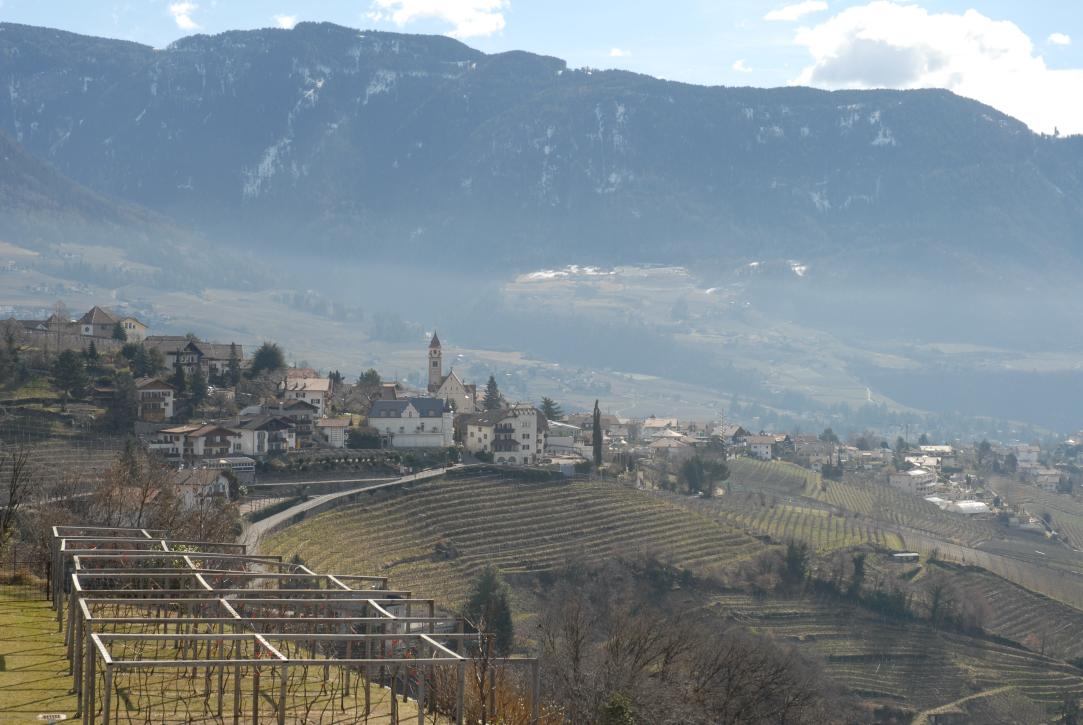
x=212 y=595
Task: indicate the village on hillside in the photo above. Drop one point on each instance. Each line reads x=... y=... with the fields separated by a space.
x=215 y=406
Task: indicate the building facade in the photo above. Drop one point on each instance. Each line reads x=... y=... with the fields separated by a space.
x=413 y=422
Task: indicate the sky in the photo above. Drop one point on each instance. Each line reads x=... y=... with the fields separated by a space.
x=1023 y=58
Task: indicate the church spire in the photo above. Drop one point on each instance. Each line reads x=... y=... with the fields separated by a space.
x=436 y=364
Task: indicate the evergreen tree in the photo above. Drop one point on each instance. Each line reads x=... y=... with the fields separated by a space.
x=10 y=364
x=91 y=353
x=119 y=334
x=123 y=410
x=488 y=609
x=268 y=358
x=828 y=436
x=197 y=388
x=69 y=375
x=336 y=379
x=597 y=436
x=493 y=400
x=618 y=711
x=797 y=559
x=551 y=410
x=923 y=440
x=179 y=381
x=233 y=366
x=369 y=379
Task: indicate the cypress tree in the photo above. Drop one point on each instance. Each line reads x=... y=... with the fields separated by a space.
x=597 y=437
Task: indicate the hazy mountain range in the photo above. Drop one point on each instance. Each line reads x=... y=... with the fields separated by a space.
x=882 y=223
x=383 y=144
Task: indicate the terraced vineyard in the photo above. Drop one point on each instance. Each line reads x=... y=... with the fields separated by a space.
x=892 y=506
x=1038 y=622
x=747 y=474
x=876 y=502
x=520 y=527
x=823 y=529
x=903 y=663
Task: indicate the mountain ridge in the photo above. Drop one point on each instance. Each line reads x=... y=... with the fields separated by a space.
x=373 y=144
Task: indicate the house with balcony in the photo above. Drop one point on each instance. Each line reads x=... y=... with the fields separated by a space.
x=314 y=391
x=154 y=399
x=264 y=434
x=195 y=441
x=513 y=436
x=916 y=481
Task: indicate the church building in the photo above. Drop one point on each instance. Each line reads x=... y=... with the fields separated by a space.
x=450 y=388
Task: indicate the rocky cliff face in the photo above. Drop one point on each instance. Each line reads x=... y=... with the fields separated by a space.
x=396 y=145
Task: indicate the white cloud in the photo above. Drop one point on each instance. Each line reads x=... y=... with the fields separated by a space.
x=468 y=18
x=182 y=15
x=740 y=66
x=618 y=53
x=790 y=13
x=286 y=22
x=887 y=45
x=1060 y=39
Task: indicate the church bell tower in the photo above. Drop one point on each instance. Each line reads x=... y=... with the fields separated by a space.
x=436 y=364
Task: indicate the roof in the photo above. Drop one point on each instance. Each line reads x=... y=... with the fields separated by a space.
x=296 y=404
x=660 y=423
x=558 y=427
x=173 y=343
x=486 y=418
x=318 y=385
x=209 y=428
x=435 y=341
x=200 y=477
x=28 y=324
x=167 y=343
x=970 y=507
x=145 y=383
x=426 y=407
x=266 y=421
x=761 y=440
x=333 y=423
x=98 y=316
x=182 y=429
x=668 y=443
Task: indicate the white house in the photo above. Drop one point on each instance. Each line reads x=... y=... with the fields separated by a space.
x=334 y=430
x=196 y=486
x=134 y=330
x=196 y=440
x=264 y=434
x=916 y=481
x=414 y=422
x=516 y=435
x=155 y=399
x=762 y=447
x=314 y=391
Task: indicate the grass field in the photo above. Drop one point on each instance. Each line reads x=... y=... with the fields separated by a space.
x=33 y=669
x=519 y=527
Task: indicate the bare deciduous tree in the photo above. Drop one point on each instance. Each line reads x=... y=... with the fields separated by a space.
x=17 y=488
